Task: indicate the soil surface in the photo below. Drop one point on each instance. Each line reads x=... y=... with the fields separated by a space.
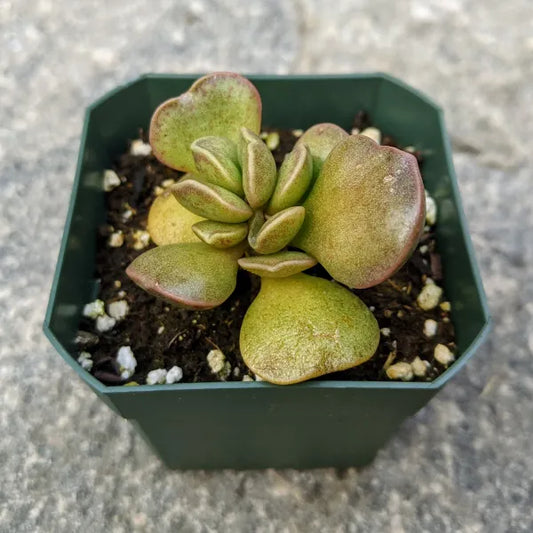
x=162 y=336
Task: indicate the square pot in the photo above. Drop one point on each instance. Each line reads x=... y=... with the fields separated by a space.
x=256 y=425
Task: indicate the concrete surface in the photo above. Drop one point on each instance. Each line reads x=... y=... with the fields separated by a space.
x=462 y=464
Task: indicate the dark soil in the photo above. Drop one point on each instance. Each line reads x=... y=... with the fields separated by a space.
x=162 y=336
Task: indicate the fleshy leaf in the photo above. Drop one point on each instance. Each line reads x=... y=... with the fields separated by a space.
x=321 y=139
x=365 y=212
x=169 y=222
x=211 y=201
x=220 y=234
x=191 y=275
x=258 y=169
x=294 y=178
x=217 y=104
x=217 y=162
x=279 y=265
x=278 y=231
x=302 y=327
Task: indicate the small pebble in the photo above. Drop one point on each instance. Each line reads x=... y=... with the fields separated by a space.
x=141 y=239
x=446 y=306
x=424 y=249
x=429 y=296
x=372 y=133
x=216 y=360
x=126 y=362
x=430 y=327
x=168 y=183
x=160 y=330
x=272 y=140
x=94 y=309
x=410 y=149
x=121 y=294
x=236 y=372
x=126 y=215
x=111 y=180
x=85 y=338
x=85 y=360
x=355 y=131
x=246 y=377
x=263 y=135
x=258 y=378
x=157 y=376
x=117 y=284
x=443 y=355
x=116 y=239
x=118 y=310
x=420 y=367
x=431 y=210
x=105 y=323
x=297 y=132
x=174 y=375
x=139 y=147
x=158 y=191
x=401 y=371
x=385 y=332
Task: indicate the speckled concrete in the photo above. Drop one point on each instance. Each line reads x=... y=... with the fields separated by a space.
x=67 y=463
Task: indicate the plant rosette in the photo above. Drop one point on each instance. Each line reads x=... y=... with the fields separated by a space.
x=342 y=200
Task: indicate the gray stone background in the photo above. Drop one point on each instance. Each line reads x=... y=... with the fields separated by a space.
x=464 y=463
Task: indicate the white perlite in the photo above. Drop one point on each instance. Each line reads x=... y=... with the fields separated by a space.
x=85 y=360
x=126 y=362
x=372 y=133
x=385 y=331
x=446 y=306
x=430 y=327
x=401 y=371
x=298 y=132
x=168 y=183
x=116 y=239
x=216 y=360
x=429 y=296
x=111 y=180
x=420 y=367
x=272 y=140
x=141 y=239
x=431 y=210
x=118 y=310
x=174 y=374
x=94 y=309
x=246 y=377
x=157 y=376
x=139 y=147
x=443 y=355
x=105 y=323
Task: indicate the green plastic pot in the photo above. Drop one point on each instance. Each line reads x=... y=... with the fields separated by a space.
x=257 y=425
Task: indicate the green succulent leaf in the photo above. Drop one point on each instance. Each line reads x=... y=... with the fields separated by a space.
x=211 y=201
x=169 y=222
x=294 y=178
x=278 y=231
x=302 y=327
x=217 y=162
x=217 y=104
x=220 y=234
x=278 y=265
x=190 y=275
x=258 y=169
x=321 y=139
x=365 y=212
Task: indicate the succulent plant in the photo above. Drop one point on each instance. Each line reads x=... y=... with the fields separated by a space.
x=339 y=199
